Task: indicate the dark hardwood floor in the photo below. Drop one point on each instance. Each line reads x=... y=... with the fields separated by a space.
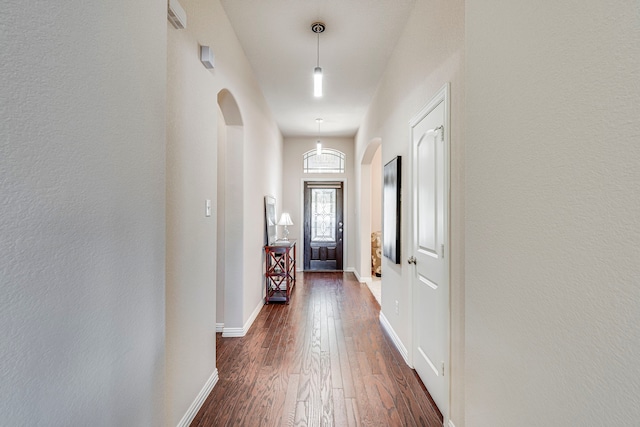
x=322 y=360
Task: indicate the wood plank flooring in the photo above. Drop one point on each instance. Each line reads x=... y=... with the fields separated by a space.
x=322 y=360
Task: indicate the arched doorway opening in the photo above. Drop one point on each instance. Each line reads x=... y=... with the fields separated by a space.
x=230 y=214
x=371 y=208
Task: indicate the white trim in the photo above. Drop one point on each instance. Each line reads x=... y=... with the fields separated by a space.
x=253 y=316
x=219 y=327
x=366 y=195
x=395 y=338
x=240 y=332
x=450 y=424
x=366 y=279
x=200 y=398
x=233 y=332
x=443 y=96
x=331 y=151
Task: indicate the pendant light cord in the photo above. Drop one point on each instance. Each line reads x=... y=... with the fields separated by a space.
x=318 y=50
x=317 y=27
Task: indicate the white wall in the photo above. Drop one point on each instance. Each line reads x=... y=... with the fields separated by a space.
x=82 y=154
x=192 y=148
x=221 y=220
x=429 y=54
x=553 y=260
x=292 y=198
x=376 y=191
x=263 y=175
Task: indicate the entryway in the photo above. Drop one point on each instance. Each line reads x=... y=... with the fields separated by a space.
x=323 y=226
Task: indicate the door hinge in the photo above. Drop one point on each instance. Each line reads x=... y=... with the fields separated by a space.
x=440 y=129
x=442 y=250
x=442 y=370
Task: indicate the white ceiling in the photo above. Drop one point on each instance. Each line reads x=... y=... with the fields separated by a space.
x=359 y=38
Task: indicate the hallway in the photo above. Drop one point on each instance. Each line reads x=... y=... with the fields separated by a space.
x=322 y=360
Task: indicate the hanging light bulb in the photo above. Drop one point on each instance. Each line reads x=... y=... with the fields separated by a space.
x=318 y=142
x=317 y=27
x=317 y=82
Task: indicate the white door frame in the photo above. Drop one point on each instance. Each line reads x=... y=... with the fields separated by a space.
x=443 y=95
x=343 y=180
x=363 y=226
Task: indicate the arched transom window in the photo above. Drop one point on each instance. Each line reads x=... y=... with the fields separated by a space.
x=329 y=161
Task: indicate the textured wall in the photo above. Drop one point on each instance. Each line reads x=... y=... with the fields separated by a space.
x=194 y=125
x=429 y=54
x=82 y=146
x=376 y=191
x=553 y=259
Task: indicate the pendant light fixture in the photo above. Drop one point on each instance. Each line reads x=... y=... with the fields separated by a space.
x=318 y=142
x=317 y=27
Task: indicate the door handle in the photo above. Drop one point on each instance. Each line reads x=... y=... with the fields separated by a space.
x=411 y=260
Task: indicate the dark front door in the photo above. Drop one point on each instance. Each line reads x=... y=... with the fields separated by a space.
x=323 y=226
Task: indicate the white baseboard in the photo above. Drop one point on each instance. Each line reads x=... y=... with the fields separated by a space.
x=233 y=332
x=253 y=316
x=451 y=424
x=219 y=327
x=240 y=332
x=361 y=279
x=200 y=398
x=395 y=338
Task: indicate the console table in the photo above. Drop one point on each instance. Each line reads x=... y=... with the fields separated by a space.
x=280 y=271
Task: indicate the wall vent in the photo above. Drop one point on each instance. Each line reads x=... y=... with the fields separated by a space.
x=206 y=57
x=176 y=15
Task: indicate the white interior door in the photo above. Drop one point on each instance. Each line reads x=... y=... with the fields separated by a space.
x=430 y=284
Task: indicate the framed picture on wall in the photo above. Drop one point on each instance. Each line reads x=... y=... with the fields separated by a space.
x=270 y=220
x=391 y=210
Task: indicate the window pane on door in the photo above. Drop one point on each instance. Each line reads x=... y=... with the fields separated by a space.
x=323 y=214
